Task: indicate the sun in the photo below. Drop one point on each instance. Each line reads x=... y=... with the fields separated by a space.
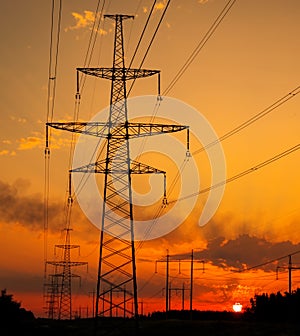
x=237 y=307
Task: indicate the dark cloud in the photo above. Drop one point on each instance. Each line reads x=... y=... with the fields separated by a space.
x=245 y=252
x=20 y=282
x=18 y=207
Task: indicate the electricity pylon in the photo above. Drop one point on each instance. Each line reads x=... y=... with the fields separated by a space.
x=62 y=290
x=117 y=264
x=52 y=296
x=168 y=289
x=290 y=268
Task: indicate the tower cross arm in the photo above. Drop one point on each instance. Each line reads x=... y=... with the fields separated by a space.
x=95 y=167
x=118 y=73
x=141 y=168
x=67 y=246
x=100 y=167
x=118 y=16
x=69 y=263
x=91 y=128
x=136 y=130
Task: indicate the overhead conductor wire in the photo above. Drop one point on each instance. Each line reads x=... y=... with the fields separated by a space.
x=52 y=75
x=243 y=173
x=150 y=43
x=80 y=86
x=196 y=51
x=200 y=45
x=237 y=129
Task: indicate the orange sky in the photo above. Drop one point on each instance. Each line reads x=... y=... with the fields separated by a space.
x=250 y=62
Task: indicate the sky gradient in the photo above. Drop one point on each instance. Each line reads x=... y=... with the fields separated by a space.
x=250 y=62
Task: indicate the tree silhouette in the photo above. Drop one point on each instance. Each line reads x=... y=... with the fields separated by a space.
x=276 y=306
x=11 y=311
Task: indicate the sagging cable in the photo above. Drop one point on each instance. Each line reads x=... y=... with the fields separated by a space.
x=47 y=149
x=159 y=97
x=70 y=198
x=165 y=201
x=188 y=153
x=77 y=95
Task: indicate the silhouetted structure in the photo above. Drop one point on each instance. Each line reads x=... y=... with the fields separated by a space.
x=59 y=289
x=116 y=279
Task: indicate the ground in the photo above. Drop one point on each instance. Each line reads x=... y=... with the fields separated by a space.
x=233 y=326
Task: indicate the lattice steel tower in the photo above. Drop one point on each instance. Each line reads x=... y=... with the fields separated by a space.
x=61 y=281
x=116 y=280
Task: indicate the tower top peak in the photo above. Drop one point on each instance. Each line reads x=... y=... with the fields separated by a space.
x=118 y=16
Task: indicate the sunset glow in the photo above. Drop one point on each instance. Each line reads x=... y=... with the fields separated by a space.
x=244 y=81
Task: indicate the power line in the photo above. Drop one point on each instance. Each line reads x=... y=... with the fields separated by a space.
x=245 y=172
x=142 y=34
x=51 y=91
x=253 y=119
x=200 y=45
x=52 y=74
x=269 y=262
x=93 y=38
x=237 y=129
x=131 y=25
x=233 y=178
x=150 y=43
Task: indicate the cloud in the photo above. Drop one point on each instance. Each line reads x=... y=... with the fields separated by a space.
x=244 y=252
x=18 y=119
x=37 y=140
x=160 y=5
x=85 y=20
x=16 y=207
x=19 y=207
x=30 y=282
x=30 y=143
x=6 y=152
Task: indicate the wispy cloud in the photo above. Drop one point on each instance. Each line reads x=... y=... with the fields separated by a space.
x=85 y=20
x=157 y=7
x=30 y=143
x=18 y=119
x=18 y=208
x=6 y=152
x=37 y=140
x=160 y=5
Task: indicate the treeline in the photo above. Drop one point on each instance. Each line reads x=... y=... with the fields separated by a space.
x=265 y=307
x=268 y=307
x=11 y=310
x=276 y=307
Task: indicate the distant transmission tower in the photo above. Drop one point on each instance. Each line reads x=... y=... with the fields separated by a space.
x=60 y=287
x=52 y=295
x=116 y=280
